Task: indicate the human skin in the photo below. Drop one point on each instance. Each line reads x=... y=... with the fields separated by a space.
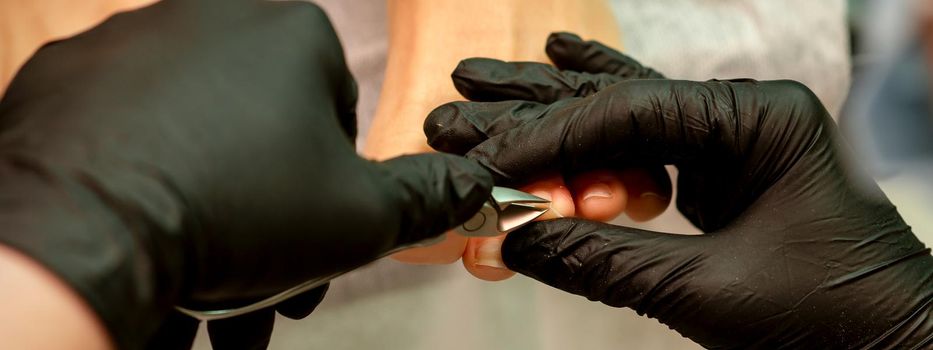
x=25 y=25
x=40 y=311
x=427 y=40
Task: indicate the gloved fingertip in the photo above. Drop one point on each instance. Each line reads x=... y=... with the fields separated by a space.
x=564 y=50
x=474 y=66
x=448 y=132
x=302 y=305
x=561 y=37
x=479 y=78
x=176 y=332
x=529 y=249
x=464 y=77
x=250 y=331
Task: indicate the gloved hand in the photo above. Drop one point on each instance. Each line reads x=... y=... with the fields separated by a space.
x=199 y=153
x=800 y=250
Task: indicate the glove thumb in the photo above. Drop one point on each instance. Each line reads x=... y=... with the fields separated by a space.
x=431 y=193
x=619 y=266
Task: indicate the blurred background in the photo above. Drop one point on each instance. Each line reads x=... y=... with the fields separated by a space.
x=887 y=116
x=868 y=61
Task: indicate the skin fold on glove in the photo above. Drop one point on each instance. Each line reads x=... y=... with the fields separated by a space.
x=198 y=153
x=800 y=249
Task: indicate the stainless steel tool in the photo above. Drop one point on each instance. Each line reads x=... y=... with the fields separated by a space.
x=506 y=210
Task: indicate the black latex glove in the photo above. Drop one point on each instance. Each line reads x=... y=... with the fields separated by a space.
x=197 y=153
x=800 y=250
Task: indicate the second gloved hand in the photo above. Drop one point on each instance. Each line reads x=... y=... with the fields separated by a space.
x=800 y=250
